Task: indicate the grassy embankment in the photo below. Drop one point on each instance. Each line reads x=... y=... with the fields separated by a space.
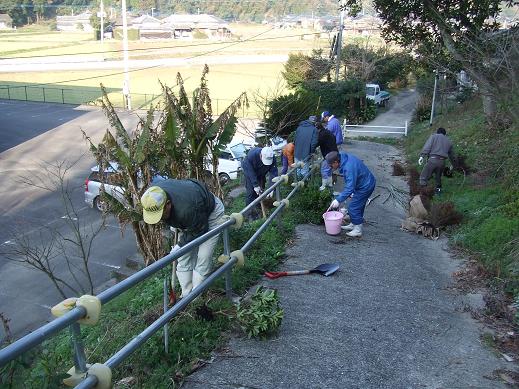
x=488 y=197
x=192 y=335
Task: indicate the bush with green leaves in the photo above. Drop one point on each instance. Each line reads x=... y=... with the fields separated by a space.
x=261 y=316
x=311 y=203
x=344 y=98
x=300 y=68
x=284 y=113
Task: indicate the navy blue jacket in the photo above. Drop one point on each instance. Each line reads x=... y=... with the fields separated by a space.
x=305 y=140
x=254 y=169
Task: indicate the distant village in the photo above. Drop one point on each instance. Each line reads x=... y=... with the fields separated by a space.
x=185 y=26
x=193 y=26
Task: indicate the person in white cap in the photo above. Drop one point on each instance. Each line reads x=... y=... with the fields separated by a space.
x=256 y=165
x=190 y=207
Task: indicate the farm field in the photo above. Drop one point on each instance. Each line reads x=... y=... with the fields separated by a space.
x=226 y=81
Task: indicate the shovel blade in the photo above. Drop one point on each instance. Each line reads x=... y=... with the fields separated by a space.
x=326 y=269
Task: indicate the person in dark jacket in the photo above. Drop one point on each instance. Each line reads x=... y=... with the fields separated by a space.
x=359 y=184
x=256 y=165
x=305 y=143
x=437 y=149
x=190 y=207
x=326 y=142
x=333 y=125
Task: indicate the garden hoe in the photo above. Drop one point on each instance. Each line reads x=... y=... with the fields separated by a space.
x=326 y=269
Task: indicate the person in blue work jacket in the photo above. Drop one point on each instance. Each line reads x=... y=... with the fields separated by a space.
x=256 y=165
x=333 y=125
x=359 y=184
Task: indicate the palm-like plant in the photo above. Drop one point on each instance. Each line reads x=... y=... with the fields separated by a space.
x=175 y=145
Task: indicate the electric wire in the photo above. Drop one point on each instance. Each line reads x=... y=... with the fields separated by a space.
x=144 y=68
x=159 y=48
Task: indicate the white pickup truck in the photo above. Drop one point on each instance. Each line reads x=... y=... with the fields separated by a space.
x=379 y=97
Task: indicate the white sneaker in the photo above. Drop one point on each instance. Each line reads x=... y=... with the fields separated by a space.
x=349 y=227
x=356 y=232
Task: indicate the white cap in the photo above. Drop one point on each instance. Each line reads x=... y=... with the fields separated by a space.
x=267 y=156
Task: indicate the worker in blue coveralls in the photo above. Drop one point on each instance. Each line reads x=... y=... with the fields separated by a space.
x=256 y=165
x=359 y=184
x=332 y=124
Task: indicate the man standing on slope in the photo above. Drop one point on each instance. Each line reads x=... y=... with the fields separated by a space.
x=305 y=143
x=333 y=125
x=437 y=148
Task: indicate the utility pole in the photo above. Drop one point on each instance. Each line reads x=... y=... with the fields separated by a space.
x=434 y=97
x=126 y=83
x=102 y=22
x=339 y=42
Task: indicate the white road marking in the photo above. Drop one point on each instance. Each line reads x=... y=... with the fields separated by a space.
x=106 y=264
x=68 y=217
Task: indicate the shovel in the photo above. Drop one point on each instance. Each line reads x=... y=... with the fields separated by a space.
x=326 y=269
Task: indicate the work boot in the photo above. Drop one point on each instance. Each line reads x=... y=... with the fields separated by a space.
x=326 y=182
x=356 y=232
x=185 y=279
x=349 y=227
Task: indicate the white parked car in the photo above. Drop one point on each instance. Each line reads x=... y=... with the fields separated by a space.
x=229 y=165
x=264 y=138
x=112 y=183
x=229 y=162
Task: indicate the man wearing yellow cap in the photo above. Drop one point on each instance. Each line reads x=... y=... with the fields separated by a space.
x=189 y=206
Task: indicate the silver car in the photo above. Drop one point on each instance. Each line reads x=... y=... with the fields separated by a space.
x=111 y=177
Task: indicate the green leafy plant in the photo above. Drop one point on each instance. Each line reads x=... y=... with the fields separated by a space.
x=262 y=315
x=312 y=203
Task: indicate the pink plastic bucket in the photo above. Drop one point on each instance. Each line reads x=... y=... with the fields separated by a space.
x=332 y=222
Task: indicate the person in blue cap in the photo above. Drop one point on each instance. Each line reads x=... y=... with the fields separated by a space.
x=333 y=125
x=359 y=184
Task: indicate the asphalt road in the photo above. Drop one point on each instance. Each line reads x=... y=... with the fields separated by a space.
x=390 y=318
x=35 y=136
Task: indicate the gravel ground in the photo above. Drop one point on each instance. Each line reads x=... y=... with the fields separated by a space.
x=387 y=319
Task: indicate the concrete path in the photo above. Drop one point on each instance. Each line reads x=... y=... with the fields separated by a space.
x=400 y=110
x=388 y=319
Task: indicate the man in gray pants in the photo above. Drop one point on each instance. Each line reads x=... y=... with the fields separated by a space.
x=437 y=148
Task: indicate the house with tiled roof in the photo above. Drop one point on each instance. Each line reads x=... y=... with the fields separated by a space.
x=5 y=22
x=80 y=22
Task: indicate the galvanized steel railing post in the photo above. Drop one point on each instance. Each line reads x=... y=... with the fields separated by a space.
x=79 y=350
x=228 y=273
x=165 y=307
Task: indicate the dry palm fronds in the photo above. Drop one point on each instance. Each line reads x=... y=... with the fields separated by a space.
x=397 y=195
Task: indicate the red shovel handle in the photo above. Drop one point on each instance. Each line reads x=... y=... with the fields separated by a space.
x=276 y=274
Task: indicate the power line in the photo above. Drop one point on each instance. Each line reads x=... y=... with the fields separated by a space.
x=147 y=67
x=162 y=47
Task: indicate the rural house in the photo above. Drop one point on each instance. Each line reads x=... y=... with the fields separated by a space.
x=5 y=22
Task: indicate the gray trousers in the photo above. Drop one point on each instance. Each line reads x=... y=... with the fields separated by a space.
x=433 y=166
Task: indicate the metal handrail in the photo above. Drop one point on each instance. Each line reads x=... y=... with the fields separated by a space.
x=70 y=319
